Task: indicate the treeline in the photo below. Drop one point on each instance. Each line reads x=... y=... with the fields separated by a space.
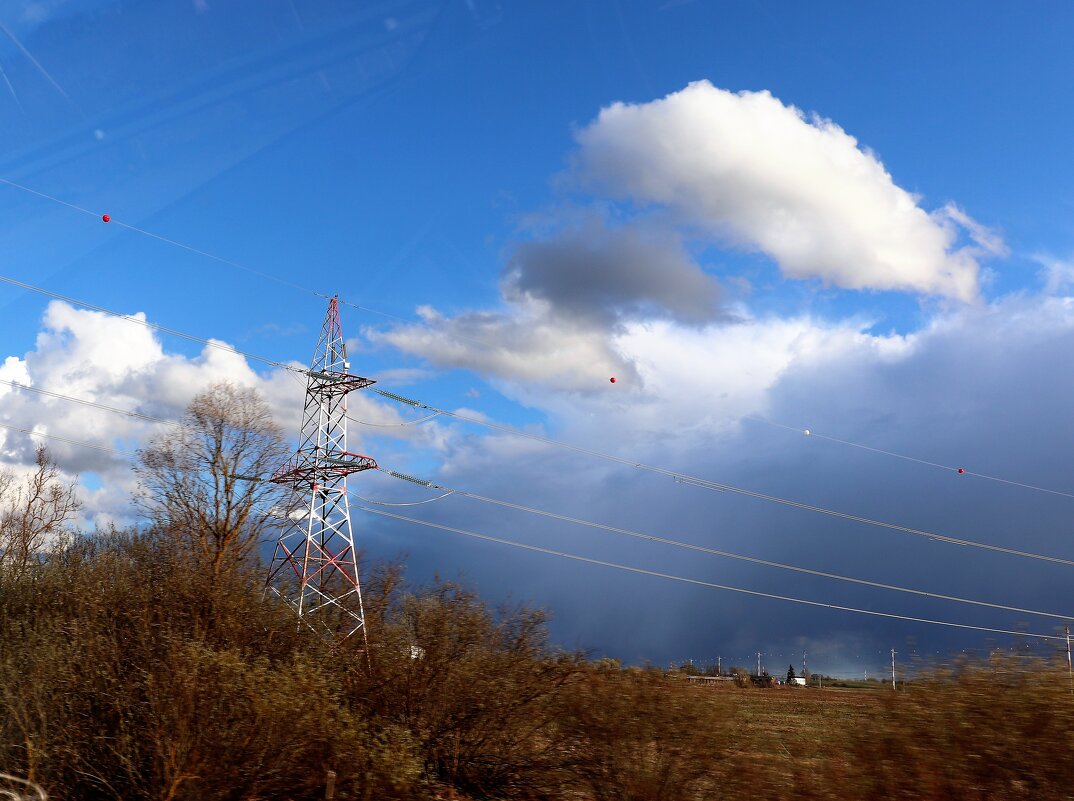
x=151 y=664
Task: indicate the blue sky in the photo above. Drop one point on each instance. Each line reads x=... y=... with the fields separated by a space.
x=850 y=218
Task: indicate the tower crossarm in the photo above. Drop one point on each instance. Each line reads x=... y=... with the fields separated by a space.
x=318 y=471
x=336 y=383
x=351 y=463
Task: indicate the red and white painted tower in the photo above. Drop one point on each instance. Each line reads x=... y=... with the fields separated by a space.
x=314 y=565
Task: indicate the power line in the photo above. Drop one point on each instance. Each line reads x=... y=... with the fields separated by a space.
x=94 y=404
x=425 y=419
x=206 y=254
x=154 y=326
x=950 y=468
x=693 y=547
x=701 y=583
x=685 y=478
x=553 y=515
x=144 y=232
x=33 y=433
x=567 y=518
x=354 y=494
x=411 y=321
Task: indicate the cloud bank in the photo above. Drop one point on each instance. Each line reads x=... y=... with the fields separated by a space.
x=628 y=288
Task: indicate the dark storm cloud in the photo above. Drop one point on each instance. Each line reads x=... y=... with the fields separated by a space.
x=595 y=272
x=984 y=389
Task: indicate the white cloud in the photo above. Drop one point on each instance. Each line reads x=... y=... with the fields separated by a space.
x=1056 y=274
x=759 y=174
x=526 y=342
x=110 y=361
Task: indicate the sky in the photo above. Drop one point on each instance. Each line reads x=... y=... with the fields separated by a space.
x=758 y=217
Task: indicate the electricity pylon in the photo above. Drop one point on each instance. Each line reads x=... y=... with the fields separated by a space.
x=314 y=565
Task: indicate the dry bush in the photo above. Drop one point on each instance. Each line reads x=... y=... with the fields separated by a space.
x=997 y=730
x=115 y=684
x=638 y=736
x=477 y=691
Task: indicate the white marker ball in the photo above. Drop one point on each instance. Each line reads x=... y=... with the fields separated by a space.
x=806 y=432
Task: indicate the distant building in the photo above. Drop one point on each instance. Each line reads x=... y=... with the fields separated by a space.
x=798 y=681
x=709 y=679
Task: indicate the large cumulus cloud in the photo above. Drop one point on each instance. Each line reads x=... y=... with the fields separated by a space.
x=755 y=172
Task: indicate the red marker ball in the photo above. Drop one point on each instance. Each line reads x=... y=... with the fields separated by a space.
x=105 y=217
x=961 y=470
x=612 y=379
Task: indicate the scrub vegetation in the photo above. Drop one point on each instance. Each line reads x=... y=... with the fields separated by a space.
x=149 y=664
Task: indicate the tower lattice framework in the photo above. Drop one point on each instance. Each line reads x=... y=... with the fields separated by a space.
x=314 y=564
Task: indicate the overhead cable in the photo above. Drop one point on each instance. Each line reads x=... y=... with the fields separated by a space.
x=148 y=418
x=146 y=324
x=627 y=568
x=962 y=470
x=676 y=475
x=425 y=419
x=260 y=273
x=705 y=549
x=33 y=433
x=685 y=478
x=566 y=518
x=119 y=223
x=701 y=583
x=421 y=503
x=410 y=321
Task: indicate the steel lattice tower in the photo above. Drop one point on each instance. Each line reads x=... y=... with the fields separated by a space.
x=314 y=565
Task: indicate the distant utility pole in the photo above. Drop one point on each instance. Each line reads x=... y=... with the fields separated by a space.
x=315 y=566
x=719 y=663
x=1070 y=670
x=758 y=663
x=893 y=668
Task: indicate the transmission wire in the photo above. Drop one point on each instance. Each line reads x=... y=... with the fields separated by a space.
x=699 y=582
x=33 y=433
x=938 y=465
x=411 y=321
x=676 y=475
x=94 y=404
x=154 y=326
x=566 y=518
x=705 y=549
x=684 y=478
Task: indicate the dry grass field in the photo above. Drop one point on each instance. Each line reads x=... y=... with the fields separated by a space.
x=1003 y=730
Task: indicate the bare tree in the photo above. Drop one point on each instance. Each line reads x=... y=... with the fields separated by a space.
x=201 y=482
x=32 y=512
